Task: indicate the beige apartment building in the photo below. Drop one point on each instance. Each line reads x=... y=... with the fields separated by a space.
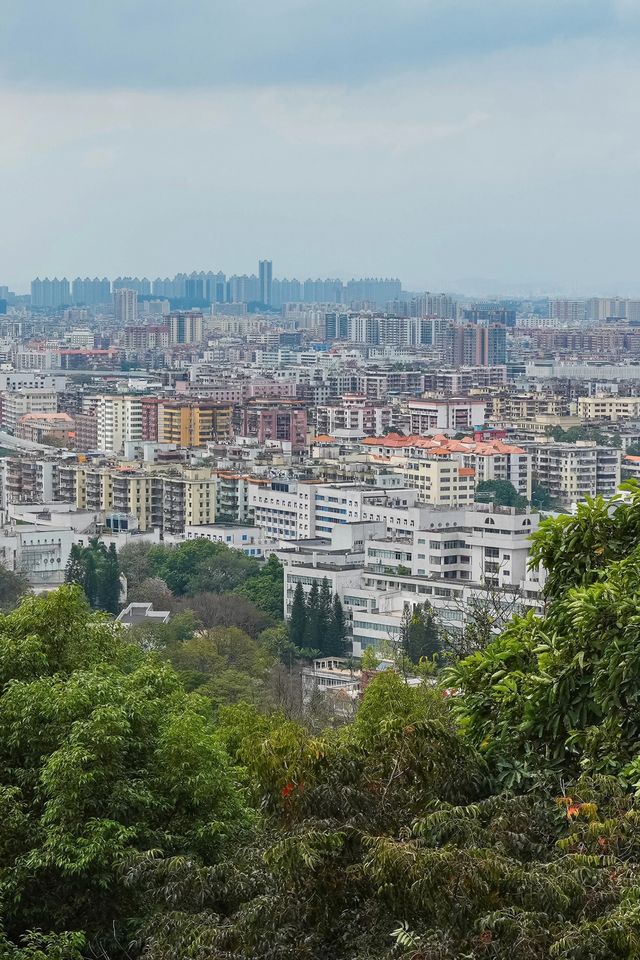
x=179 y=497
x=441 y=481
x=609 y=408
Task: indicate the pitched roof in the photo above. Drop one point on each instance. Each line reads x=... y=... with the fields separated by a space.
x=439 y=443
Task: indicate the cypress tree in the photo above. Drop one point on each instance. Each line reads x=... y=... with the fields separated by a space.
x=337 y=634
x=109 y=581
x=324 y=618
x=74 y=572
x=313 y=631
x=421 y=639
x=298 y=620
x=90 y=580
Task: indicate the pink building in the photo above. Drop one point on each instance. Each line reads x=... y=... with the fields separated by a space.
x=283 y=420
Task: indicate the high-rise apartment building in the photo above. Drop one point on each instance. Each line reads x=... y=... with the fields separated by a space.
x=91 y=292
x=474 y=345
x=276 y=420
x=141 y=286
x=50 y=293
x=336 y=326
x=569 y=311
x=185 y=326
x=125 y=304
x=265 y=273
x=434 y=305
x=118 y=420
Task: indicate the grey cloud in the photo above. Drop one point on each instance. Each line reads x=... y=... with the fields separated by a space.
x=147 y=44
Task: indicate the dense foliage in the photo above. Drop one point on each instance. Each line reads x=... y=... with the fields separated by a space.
x=96 y=569
x=167 y=575
x=13 y=586
x=501 y=492
x=493 y=816
x=103 y=757
x=562 y=693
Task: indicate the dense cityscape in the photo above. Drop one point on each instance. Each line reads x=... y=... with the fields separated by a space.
x=319 y=480
x=401 y=446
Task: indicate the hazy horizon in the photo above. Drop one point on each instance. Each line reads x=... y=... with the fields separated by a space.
x=481 y=150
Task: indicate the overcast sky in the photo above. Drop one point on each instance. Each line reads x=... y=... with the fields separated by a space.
x=472 y=145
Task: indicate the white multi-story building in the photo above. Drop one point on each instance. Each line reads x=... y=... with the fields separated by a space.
x=125 y=305
x=296 y=510
x=118 y=420
x=489 y=459
x=573 y=471
x=353 y=417
x=453 y=557
x=609 y=408
x=431 y=416
x=441 y=480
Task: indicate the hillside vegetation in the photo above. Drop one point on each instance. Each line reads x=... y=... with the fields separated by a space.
x=143 y=821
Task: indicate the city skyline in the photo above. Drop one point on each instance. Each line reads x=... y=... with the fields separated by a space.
x=482 y=149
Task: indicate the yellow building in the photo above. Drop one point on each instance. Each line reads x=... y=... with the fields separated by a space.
x=194 y=423
x=189 y=499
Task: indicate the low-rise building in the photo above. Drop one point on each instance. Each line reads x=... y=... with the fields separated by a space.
x=453 y=414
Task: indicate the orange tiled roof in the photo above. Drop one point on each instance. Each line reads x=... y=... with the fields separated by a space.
x=440 y=444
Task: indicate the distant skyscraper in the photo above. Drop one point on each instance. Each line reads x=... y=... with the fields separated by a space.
x=265 y=273
x=125 y=305
x=142 y=287
x=434 y=305
x=91 y=292
x=243 y=289
x=50 y=293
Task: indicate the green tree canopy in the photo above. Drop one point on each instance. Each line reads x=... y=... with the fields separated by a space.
x=541 y=498
x=561 y=693
x=103 y=757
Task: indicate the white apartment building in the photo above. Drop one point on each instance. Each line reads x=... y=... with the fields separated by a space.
x=440 y=480
x=32 y=380
x=118 y=420
x=25 y=358
x=352 y=418
x=297 y=510
x=125 y=306
x=283 y=509
x=456 y=555
x=429 y=416
x=249 y=539
x=489 y=460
